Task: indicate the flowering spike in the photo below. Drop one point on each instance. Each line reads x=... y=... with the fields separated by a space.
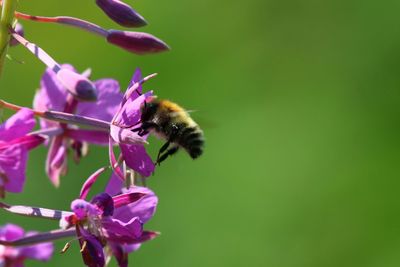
x=121 y=13
x=137 y=42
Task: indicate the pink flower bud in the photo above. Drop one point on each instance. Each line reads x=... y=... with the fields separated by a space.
x=121 y=13
x=77 y=85
x=18 y=29
x=136 y=42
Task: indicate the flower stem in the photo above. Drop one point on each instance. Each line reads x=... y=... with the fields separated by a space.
x=6 y=19
x=62 y=117
x=40 y=238
x=70 y=21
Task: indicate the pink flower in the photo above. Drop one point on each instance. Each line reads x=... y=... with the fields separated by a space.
x=54 y=96
x=114 y=221
x=15 y=256
x=127 y=118
x=14 y=146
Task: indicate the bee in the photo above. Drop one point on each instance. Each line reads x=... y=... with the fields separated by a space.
x=173 y=123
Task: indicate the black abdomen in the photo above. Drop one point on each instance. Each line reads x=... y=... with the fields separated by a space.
x=191 y=139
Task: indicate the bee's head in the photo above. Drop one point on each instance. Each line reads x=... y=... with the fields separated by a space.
x=149 y=108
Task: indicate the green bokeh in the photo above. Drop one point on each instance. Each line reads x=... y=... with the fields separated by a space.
x=299 y=101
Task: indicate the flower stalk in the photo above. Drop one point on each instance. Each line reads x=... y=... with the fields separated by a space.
x=6 y=20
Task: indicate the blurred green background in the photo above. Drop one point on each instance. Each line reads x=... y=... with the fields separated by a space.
x=299 y=101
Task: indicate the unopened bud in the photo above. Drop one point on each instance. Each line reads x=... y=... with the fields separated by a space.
x=136 y=42
x=18 y=29
x=77 y=84
x=121 y=13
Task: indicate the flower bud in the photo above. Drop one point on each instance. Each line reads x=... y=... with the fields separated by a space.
x=136 y=42
x=77 y=84
x=121 y=13
x=18 y=29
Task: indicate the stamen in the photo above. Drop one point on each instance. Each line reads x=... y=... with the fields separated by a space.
x=84 y=244
x=65 y=248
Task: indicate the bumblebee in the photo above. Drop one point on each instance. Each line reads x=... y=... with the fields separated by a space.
x=172 y=123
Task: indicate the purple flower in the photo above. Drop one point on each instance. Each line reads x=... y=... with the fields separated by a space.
x=15 y=256
x=126 y=118
x=14 y=147
x=53 y=95
x=121 y=13
x=113 y=221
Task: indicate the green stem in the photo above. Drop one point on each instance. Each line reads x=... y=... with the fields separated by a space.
x=6 y=20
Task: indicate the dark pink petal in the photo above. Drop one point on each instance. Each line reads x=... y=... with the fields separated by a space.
x=121 y=232
x=77 y=84
x=89 y=136
x=105 y=203
x=143 y=208
x=13 y=165
x=121 y=13
x=28 y=142
x=136 y=42
x=18 y=125
x=120 y=254
x=114 y=185
x=127 y=198
x=130 y=114
x=56 y=162
x=89 y=182
x=93 y=255
x=41 y=252
x=108 y=99
x=137 y=159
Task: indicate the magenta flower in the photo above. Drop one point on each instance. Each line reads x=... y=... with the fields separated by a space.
x=116 y=222
x=14 y=146
x=15 y=256
x=125 y=119
x=54 y=96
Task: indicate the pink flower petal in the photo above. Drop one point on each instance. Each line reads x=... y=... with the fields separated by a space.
x=137 y=159
x=144 y=208
x=89 y=182
x=13 y=164
x=108 y=100
x=18 y=125
x=56 y=162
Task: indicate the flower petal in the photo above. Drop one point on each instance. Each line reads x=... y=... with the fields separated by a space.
x=92 y=254
x=89 y=182
x=42 y=251
x=125 y=136
x=127 y=198
x=144 y=208
x=11 y=232
x=105 y=203
x=137 y=159
x=108 y=100
x=117 y=231
x=56 y=162
x=13 y=164
x=114 y=185
x=18 y=125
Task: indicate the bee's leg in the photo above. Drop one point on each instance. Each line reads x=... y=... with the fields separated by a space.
x=162 y=149
x=168 y=153
x=144 y=128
